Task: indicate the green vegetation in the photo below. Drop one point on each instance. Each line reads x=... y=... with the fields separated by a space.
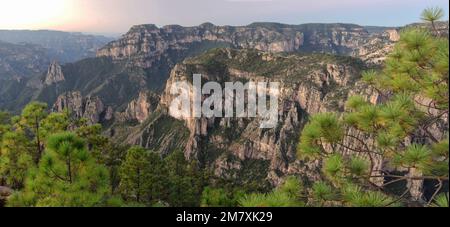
x=141 y=176
x=55 y=160
x=370 y=153
x=185 y=181
x=289 y=67
x=414 y=87
x=52 y=159
x=219 y=197
x=289 y=194
x=432 y=15
x=162 y=126
x=66 y=176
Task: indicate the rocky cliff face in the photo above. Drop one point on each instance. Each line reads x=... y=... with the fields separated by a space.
x=309 y=84
x=145 y=44
x=54 y=74
x=374 y=52
x=140 y=108
x=91 y=108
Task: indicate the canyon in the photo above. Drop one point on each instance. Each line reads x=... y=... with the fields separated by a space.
x=126 y=88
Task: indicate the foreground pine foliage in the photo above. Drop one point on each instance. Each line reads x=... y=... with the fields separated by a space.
x=55 y=160
x=289 y=194
x=407 y=131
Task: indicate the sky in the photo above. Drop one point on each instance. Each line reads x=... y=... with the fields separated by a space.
x=117 y=16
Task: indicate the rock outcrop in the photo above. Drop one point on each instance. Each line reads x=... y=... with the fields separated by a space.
x=54 y=74
x=91 y=108
x=140 y=108
x=309 y=84
x=146 y=44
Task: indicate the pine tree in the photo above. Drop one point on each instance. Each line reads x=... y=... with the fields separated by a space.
x=141 y=174
x=5 y=118
x=184 y=179
x=66 y=176
x=432 y=15
x=216 y=196
x=212 y=197
x=55 y=123
x=5 y=126
x=289 y=194
x=30 y=123
x=409 y=128
x=112 y=156
x=15 y=160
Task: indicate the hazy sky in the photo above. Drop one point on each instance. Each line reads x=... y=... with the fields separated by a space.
x=117 y=16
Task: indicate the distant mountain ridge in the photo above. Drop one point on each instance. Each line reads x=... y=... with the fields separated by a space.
x=61 y=46
x=146 y=44
x=22 y=60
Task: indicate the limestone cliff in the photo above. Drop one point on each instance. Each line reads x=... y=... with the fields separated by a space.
x=140 y=108
x=91 y=108
x=309 y=84
x=54 y=74
x=146 y=44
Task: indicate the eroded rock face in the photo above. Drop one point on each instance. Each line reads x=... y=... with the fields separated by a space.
x=146 y=44
x=226 y=144
x=394 y=35
x=378 y=47
x=141 y=108
x=54 y=74
x=153 y=41
x=321 y=87
x=91 y=108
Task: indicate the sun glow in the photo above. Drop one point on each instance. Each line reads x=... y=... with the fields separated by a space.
x=33 y=14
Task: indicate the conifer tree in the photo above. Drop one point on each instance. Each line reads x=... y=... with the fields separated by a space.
x=141 y=174
x=433 y=15
x=15 y=160
x=289 y=194
x=184 y=179
x=216 y=196
x=30 y=124
x=5 y=118
x=212 y=197
x=409 y=129
x=66 y=176
x=55 y=123
x=5 y=125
